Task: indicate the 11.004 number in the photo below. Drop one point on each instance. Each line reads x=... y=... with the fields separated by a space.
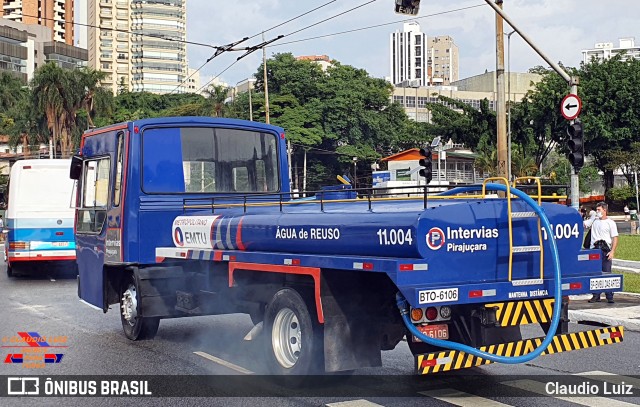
x=393 y=237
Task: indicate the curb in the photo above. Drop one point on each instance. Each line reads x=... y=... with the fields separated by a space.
x=581 y=315
x=627 y=264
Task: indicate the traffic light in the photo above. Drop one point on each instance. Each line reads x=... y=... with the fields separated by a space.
x=407 y=6
x=576 y=144
x=426 y=163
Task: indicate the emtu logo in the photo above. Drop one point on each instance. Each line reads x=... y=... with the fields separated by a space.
x=178 y=236
x=435 y=238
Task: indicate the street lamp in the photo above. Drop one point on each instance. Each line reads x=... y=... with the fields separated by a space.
x=355 y=172
x=509 y=101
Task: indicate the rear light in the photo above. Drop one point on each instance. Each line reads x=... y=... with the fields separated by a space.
x=445 y=312
x=416 y=314
x=594 y=256
x=575 y=286
x=432 y=313
x=59 y=233
x=18 y=245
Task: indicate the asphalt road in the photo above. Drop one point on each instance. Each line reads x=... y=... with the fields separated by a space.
x=96 y=346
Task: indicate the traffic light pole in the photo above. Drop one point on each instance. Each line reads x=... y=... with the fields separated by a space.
x=575 y=179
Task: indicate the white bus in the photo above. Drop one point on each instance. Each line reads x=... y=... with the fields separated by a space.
x=40 y=214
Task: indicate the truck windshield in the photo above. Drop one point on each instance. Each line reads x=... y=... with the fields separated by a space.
x=206 y=159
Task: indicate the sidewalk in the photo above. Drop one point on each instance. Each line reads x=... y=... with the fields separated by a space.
x=625 y=312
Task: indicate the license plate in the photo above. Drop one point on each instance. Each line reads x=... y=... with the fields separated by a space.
x=60 y=244
x=434 y=331
x=434 y=296
x=604 y=283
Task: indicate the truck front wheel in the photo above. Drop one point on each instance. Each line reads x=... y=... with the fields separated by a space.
x=134 y=325
x=293 y=341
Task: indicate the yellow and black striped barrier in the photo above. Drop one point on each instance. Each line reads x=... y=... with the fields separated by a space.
x=448 y=360
x=517 y=313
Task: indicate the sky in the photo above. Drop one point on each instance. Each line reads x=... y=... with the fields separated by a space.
x=560 y=28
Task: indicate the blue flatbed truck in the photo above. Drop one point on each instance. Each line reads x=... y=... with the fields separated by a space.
x=191 y=216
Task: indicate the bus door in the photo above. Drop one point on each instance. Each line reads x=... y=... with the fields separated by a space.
x=98 y=215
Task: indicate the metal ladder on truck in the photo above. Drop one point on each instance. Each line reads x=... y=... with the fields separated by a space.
x=520 y=215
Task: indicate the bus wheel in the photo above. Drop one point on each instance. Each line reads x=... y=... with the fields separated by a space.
x=293 y=341
x=135 y=327
x=9 y=271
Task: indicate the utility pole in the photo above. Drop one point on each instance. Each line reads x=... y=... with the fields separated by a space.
x=250 y=104
x=573 y=82
x=509 y=101
x=501 y=114
x=266 y=86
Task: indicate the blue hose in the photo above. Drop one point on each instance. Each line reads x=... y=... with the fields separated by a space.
x=555 y=318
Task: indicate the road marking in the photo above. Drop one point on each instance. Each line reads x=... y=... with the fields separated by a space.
x=590 y=401
x=354 y=403
x=611 y=378
x=223 y=362
x=462 y=399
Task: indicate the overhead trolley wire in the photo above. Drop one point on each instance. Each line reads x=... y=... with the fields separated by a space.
x=229 y=46
x=378 y=25
x=254 y=48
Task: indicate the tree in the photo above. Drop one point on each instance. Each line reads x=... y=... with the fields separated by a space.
x=50 y=90
x=611 y=98
x=216 y=95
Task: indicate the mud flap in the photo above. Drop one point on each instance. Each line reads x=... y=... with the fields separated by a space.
x=453 y=360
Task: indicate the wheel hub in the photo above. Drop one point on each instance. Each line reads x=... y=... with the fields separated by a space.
x=130 y=305
x=286 y=338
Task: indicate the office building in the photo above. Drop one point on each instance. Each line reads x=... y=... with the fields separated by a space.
x=25 y=47
x=469 y=90
x=57 y=15
x=408 y=55
x=140 y=44
x=606 y=50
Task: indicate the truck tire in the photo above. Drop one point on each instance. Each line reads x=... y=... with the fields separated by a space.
x=134 y=326
x=293 y=340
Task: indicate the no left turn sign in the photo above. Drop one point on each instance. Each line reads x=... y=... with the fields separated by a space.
x=571 y=106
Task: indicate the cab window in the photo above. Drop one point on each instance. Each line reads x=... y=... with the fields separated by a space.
x=95 y=195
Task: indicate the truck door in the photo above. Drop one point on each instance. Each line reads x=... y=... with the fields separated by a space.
x=99 y=197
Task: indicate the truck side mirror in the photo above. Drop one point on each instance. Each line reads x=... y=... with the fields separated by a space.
x=75 y=171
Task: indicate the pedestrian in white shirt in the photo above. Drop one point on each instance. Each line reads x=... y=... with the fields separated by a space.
x=604 y=236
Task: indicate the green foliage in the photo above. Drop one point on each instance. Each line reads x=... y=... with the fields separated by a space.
x=588 y=175
x=621 y=194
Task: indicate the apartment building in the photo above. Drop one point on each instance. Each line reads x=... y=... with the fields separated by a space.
x=408 y=55
x=606 y=50
x=139 y=44
x=442 y=60
x=57 y=15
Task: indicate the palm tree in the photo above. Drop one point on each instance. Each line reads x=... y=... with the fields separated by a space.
x=522 y=165
x=10 y=90
x=487 y=163
x=216 y=96
x=88 y=81
x=49 y=86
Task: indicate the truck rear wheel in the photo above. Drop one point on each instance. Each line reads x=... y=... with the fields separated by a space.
x=134 y=325
x=293 y=341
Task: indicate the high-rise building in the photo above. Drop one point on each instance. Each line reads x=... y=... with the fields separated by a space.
x=442 y=60
x=140 y=44
x=606 y=50
x=408 y=55
x=54 y=14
